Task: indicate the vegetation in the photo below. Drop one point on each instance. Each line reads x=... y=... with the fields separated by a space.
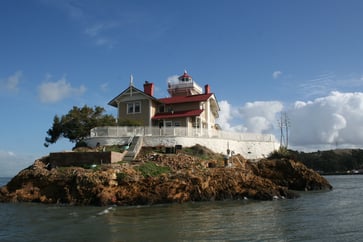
x=77 y=124
x=121 y=177
x=331 y=161
x=282 y=152
x=150 y=169
x=129 y=122
x=201 y=152
x=115 y=148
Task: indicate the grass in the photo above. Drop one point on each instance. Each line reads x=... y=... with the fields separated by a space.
x=115 y=148
x=150 y=169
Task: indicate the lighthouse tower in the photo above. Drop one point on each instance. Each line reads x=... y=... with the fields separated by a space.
x=185 y=86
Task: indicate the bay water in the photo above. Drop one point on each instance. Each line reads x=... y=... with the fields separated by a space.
x=335 y=215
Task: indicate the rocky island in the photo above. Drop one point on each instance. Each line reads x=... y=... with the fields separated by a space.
x=191 y=174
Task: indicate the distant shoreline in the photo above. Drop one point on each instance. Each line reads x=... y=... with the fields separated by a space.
x=338 y=173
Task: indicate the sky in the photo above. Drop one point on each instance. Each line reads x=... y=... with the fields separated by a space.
x=261 y=58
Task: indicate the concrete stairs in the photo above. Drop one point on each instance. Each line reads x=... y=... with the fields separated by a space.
x=134 y=148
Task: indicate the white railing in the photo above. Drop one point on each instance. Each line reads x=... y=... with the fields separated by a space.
x=185 y=85
x=128 y=131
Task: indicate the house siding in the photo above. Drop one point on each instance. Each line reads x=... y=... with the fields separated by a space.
x=143 y=117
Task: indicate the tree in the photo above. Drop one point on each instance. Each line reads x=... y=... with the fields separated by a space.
x=77 y=124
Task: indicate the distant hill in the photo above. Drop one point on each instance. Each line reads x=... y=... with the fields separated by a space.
x=332 y=161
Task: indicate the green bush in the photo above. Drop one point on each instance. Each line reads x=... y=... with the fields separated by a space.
x=120 y=176
x=282 y=152
x=115 y=148
x=80 y=144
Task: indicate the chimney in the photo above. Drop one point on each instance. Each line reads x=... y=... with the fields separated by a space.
x=149 y=88
x=206 y=89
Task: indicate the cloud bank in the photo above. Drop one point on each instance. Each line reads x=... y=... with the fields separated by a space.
x=332 y=121
x=50 y=92
x=253 y=117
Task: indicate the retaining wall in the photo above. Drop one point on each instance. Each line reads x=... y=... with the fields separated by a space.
x=248 y=149
x=84 y=158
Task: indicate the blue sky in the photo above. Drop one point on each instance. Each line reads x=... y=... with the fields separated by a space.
x=259 y=57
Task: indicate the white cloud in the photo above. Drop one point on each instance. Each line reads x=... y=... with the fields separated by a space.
x=225 y=115
x=101 y=33
x=253 y=117
x=172 y=79
x=335 y=119
x=260 y=116
x=104 y=87
x=319 y=85
x=94 y=30
x=276 y=74
x=11 y=83
x=50 y=92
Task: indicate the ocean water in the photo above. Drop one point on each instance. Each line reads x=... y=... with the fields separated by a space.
x=335 y=215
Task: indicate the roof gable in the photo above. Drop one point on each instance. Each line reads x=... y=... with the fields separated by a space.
x=130 y=91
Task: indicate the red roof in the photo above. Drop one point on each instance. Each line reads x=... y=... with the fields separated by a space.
x=189 y=113
x=185 y=99
x=184 y=75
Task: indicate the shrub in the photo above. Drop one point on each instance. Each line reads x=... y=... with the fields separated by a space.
x=282 y=152
x=120 y=177
x=80 y=144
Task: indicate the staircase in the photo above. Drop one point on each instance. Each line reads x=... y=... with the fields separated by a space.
x=135 y=144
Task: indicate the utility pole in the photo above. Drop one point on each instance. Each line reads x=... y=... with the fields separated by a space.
x=287 y=125
x=280 y=123
x=284 y=124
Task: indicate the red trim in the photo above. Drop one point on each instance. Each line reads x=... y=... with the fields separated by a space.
x=185 y=99
x=185 y=74
x=189 y=113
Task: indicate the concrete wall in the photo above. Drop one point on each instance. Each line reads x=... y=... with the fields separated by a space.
x=248 y=149
x=84 y=158
x=105 y=141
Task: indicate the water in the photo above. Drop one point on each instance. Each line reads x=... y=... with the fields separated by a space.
x=335 y=215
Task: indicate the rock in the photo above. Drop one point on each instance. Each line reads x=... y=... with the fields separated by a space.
x=292 y=174
x=187 y=178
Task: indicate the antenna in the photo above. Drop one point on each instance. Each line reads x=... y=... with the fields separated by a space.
x=131 y=80
x=131 y=84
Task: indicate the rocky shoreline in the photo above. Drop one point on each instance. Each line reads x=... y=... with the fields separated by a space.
x=155 y=178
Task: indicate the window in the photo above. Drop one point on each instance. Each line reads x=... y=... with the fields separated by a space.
x=137 y=107
x=168 y=123
x=177 y=124
x=161 y=108
x=134 y=107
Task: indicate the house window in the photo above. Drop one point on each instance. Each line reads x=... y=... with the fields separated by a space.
x=196 y=122
x=177 y=124
x=168 y=123
x=161 y=108
x=134 y=107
